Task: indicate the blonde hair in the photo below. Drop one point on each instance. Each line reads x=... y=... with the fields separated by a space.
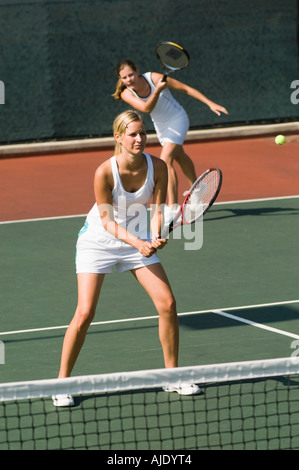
x=119 y=85
x=121 y=122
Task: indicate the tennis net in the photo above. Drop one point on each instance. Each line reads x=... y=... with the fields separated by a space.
x=247 y=405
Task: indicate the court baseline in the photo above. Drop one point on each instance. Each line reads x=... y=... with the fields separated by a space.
x=242 y=201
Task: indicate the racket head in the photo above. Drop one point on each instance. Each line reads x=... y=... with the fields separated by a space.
x=201 y=195
x=205 y=189
x=172 y=57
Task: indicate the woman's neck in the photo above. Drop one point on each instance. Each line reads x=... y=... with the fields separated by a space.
x=142 y=87
x=131 y=162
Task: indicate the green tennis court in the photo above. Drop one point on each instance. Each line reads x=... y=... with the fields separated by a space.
x=248 y=262
x=237 y=301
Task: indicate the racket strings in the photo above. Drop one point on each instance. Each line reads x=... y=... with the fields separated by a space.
x=172 y=56
x=201 y=196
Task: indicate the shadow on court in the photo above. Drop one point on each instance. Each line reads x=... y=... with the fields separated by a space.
x=254 y=212
x=264 y=315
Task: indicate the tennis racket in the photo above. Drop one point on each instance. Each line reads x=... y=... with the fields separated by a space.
x=172 y=57
x=199 y=199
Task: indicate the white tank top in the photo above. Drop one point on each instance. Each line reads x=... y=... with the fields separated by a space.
x=130 y=209
x=166 y=105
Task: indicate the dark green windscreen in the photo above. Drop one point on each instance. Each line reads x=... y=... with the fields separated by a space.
x=58 y=58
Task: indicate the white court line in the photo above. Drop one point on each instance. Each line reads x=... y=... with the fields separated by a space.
x=257 y=325
x=41 y=219
x=84 y=215
x=195 y=312
x=241 y=201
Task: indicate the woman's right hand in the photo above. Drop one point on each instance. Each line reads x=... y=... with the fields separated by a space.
x=146 y=248
x=161 y=85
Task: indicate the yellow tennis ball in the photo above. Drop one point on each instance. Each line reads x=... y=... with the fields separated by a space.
x=280 y=139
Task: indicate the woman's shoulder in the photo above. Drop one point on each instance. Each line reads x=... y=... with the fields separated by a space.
x=104 y=170
x=126 y=92
x=155 y=77
x=158 y=164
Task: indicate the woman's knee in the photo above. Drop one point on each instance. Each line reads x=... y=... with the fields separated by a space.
x=181 y=156
x=168 y=305
x=83 y=317
x=168 y=159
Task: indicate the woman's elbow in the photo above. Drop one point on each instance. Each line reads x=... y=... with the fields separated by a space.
x=146 y=109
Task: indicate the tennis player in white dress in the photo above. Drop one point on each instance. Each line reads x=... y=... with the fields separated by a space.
x=148 y=93
x=124 y=183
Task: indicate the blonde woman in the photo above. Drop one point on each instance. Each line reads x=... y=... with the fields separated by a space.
x=129 y=177
x=148 y=93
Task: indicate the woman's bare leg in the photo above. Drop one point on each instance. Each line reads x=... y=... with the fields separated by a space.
x=89 y=287
x=154 y=280
x=170 y=153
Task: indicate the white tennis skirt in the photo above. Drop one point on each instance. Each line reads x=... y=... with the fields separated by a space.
x=174 y=130
x=97 y=253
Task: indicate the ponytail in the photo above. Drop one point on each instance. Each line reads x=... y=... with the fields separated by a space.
x=119 y=89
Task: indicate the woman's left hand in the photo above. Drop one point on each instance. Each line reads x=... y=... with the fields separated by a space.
x=159 y=243
x=217 y=109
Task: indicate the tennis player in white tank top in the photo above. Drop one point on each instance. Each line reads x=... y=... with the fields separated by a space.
x=128 y=178
x=170 y=120
x=98 y=251
x=149 y=94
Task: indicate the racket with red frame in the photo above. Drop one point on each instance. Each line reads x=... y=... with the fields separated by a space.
x=199 y=199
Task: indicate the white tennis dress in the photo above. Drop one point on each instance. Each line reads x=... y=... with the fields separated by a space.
x=97 y=250
x=170 y=120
